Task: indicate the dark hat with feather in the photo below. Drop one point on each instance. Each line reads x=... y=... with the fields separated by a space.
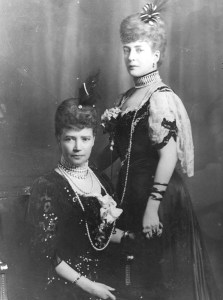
x=80 y=111
x=88 y=95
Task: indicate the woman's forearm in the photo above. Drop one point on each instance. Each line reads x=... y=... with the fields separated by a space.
x=166 y=165
x=167 y=162
x=69 y=274
x=66 y=272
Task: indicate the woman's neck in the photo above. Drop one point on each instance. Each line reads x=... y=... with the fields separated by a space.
x=146 y=79
x=72 y=167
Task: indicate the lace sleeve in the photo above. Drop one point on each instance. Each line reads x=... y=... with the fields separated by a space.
x=43 y=220
x=168 y=118
x=162 y=120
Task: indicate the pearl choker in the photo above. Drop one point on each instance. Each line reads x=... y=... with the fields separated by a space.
x=147 y=79
x=77 y=172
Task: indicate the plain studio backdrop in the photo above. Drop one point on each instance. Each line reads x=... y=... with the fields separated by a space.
x=48 y=47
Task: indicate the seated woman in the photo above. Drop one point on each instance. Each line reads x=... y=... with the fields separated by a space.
x=71 y=213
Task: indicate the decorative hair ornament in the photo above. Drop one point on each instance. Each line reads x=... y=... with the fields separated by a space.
x=87 y=92
x=150 y=14
x=151 y=11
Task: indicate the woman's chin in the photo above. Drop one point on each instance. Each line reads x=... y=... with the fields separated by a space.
x=136 y=73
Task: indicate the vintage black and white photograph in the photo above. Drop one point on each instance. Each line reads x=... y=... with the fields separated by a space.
x=111 y=150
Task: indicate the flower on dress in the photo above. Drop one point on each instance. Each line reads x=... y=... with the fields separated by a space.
x=108 y=211
x=110 y=118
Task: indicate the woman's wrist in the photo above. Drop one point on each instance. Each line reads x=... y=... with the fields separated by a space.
x=152 y=204
x=85 y=284
x=78 y=277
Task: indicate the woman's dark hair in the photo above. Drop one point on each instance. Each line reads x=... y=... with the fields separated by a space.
x=70 y=114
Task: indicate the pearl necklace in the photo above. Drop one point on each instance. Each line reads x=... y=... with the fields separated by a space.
x=87 y=227
x=78 y=172
x=147 y=79
x=83 y=209
x=128 y=155
x=133 y=124
x=68 y=176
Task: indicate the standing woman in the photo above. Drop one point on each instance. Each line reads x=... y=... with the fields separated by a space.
x=71 y=212
x=151 y=134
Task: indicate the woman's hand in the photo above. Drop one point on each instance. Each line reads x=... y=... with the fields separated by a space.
x=97 y=289
x=151 y=223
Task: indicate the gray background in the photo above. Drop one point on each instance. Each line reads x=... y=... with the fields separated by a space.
x=47 y=47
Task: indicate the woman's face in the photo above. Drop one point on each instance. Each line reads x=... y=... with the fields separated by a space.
x=76 y=145
x=140 y=59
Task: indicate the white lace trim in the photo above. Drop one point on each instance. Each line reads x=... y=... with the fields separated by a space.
x=168 y=105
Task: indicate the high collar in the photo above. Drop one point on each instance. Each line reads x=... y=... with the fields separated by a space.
x=147 y=79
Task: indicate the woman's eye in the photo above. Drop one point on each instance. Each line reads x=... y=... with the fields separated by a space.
x=126 y=51
x=139 y=50
x=86 y=139
x=67 y=139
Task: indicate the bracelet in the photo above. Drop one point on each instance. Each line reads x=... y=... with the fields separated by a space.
x=76 y=280
x=157 y=194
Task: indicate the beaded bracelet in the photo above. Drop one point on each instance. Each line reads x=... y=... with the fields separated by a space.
x=76 y=280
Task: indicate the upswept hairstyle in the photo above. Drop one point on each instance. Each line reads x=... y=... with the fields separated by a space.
x=71 y=114
x=133 y=29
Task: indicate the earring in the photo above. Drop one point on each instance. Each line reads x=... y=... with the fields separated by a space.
x=153 y=65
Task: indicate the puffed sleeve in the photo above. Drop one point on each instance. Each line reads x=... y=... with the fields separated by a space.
x=168 y=118
x=43 y=221
x=162 y=120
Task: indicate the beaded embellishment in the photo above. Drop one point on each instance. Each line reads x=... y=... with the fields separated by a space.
x=146 y=79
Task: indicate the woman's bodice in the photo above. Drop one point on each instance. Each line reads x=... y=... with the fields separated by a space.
x=141 y=145
x=58 y=226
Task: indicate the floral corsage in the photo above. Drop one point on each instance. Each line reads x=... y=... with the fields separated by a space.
x=109 y=121
x=109 y=213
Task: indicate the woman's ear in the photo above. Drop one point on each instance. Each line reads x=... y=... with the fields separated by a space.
x=157 y=56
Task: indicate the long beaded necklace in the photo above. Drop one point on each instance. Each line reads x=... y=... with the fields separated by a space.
x=83 y=209
x=148 y=94
x=129 y=154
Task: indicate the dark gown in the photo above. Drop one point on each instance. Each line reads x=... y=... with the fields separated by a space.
x=175 y=265
x=58 y=232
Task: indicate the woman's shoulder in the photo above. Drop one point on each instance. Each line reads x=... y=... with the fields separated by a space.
x=164 y=98
x=50 y=179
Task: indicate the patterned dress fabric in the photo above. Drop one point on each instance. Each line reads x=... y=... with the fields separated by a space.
x=58 y=232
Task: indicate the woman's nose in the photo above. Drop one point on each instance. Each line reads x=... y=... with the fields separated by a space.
x=131 y=55
x=77 y=145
